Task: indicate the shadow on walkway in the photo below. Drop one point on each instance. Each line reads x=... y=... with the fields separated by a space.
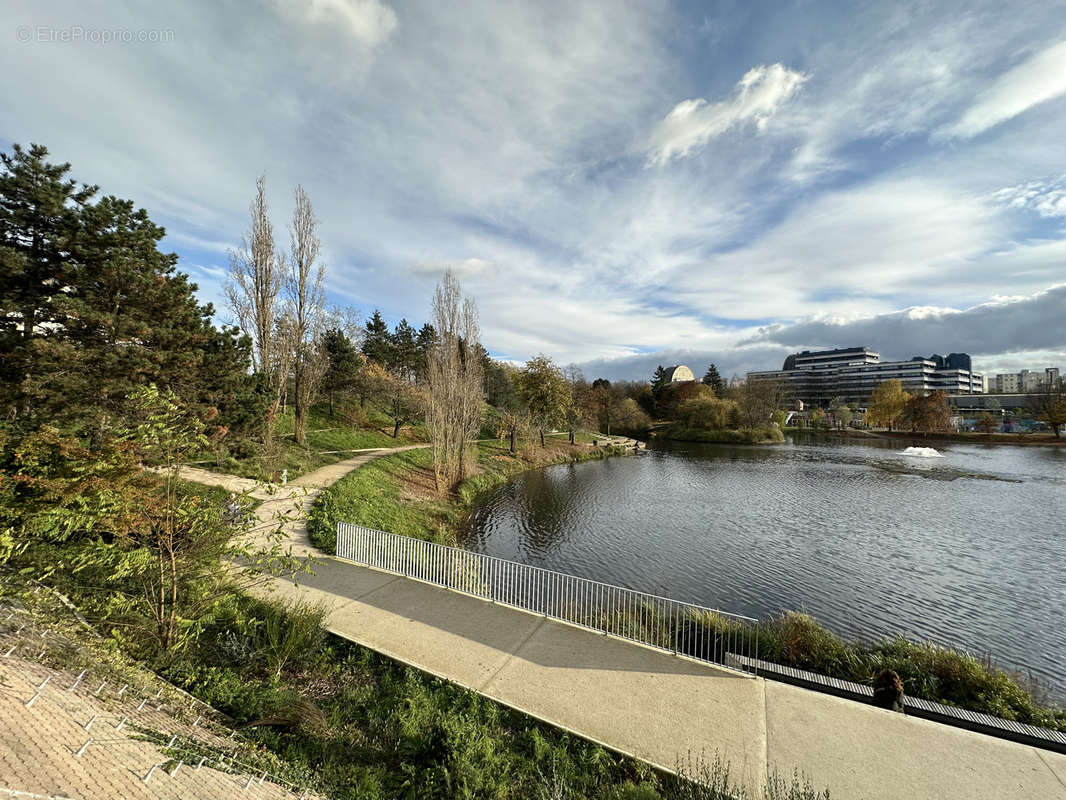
x=496 y=626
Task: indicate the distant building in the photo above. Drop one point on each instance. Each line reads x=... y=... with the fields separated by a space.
x=851 y=373
x=1024 y=382
x=679 y=373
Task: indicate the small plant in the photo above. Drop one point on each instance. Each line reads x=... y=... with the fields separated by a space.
x=291 y=634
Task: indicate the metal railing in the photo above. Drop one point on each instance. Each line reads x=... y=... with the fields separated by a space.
x=702 y=633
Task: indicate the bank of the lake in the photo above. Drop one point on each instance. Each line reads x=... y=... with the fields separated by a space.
x=768 y=434
x=397 y=493
x=963 y=550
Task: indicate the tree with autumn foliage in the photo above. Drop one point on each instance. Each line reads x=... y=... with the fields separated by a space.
x=927 y=413
x=886 y=405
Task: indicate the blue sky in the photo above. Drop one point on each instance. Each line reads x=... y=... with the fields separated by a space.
x=618 y=184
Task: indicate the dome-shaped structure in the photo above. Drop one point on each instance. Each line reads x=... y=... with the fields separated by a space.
x=679 y=373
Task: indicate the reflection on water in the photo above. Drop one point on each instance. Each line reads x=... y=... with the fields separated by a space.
x=968 y=549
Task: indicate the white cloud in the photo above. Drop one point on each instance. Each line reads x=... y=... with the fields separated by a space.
x=1040 y=78
x=692 y=123
x=1047 y=196
x=1002 y=325
x=510 y=141
x=369 y=21
x=856 y=249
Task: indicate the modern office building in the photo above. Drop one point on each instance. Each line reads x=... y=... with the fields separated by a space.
x=851 y=373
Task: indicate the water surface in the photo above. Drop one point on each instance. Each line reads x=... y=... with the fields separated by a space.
x=968 y=549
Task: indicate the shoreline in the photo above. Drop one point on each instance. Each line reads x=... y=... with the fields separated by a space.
x=397 y=494
x=680 y=433
x=1017 y=439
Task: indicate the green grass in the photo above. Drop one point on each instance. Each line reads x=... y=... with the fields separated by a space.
x=329 y=440
x=391 y=493
x=368 y=727
x=323 y=712
x=396 y=493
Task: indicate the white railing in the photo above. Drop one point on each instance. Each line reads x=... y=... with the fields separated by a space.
x=698 y=632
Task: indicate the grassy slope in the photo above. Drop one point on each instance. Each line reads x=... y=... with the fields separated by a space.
x=396 y=493
x=328 y=440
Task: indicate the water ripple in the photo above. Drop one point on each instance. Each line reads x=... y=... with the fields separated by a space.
x=966 y=550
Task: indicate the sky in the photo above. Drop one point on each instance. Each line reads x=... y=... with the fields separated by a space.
x=617 y=184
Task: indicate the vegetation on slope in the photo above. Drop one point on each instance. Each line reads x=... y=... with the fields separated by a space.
x=928 y=671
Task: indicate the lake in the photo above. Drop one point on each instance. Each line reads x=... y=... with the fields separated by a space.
x=967 y=549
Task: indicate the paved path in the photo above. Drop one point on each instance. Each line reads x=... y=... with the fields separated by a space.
x=657 y=706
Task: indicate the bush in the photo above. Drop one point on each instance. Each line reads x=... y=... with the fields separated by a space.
x=292 y=634
x=705 y=412
x=930 y=672
x=322 y=522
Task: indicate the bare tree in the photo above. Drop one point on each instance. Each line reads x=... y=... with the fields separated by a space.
x=1049 y=403
x=304 y=295
x=255 y=277
x=454 y=374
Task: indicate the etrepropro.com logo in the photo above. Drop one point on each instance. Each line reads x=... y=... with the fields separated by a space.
x=77 y=34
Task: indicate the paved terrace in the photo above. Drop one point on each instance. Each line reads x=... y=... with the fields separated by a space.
x=657 y=706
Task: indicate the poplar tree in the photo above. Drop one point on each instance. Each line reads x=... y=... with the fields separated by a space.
x=305 y=294
x=255 y=276
x=455 y=398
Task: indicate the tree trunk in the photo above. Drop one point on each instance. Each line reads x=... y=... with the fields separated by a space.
x=514 y=436
x=542 y=437
x=571 y=436
x=299 y=422
x=396 y=429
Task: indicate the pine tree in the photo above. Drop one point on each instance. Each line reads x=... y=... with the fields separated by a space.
x=404 y=350
x=39 y=210
x=102 y=311
x=342 y=370
x=658 y=384
x=377 y=345
x=714 y=380
x=427 y=335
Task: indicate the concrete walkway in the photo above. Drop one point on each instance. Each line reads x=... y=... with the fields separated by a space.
x=657 y=706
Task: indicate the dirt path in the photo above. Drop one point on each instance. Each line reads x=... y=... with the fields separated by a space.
x=294 y=499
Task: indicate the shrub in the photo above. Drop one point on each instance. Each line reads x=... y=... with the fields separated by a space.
x=805 y=644
x=291 y=634
x=322 y=522
x=705 y=412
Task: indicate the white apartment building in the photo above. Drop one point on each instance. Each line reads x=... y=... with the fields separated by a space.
x=1024 y=382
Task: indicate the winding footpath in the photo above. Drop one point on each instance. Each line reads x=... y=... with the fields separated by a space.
x=639 y=701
